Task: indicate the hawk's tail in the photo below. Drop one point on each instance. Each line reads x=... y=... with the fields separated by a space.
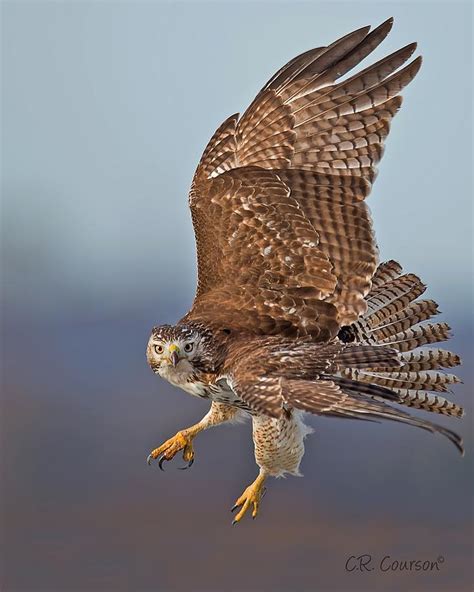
x=395 y=318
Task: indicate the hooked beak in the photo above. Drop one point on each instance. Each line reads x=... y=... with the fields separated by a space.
x=174 y=355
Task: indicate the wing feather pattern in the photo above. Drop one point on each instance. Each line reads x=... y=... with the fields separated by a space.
x=322 y=139
x=272 y=379
x=262 y=270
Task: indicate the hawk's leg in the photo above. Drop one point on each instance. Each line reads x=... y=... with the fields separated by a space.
x=183 y=440
x=250 y=498
x=279 y=448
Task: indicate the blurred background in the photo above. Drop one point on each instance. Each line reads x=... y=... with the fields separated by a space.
x=106 y=109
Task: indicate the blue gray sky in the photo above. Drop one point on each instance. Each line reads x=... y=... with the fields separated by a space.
x=107 y=107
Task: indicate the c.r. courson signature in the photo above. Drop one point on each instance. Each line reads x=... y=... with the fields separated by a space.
x=365 y=562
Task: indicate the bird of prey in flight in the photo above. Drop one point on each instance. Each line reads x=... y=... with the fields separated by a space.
x=293 y=313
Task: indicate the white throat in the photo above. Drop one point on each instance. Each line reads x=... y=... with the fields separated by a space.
x=181 y=376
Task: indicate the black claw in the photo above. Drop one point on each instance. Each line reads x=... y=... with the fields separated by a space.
x=149 y=459
x=234 y=522
x=188 y=466
x=161 y=461
x=234 y=508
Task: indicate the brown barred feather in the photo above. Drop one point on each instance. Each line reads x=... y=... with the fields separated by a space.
x=302 y=73
x=219 y=155
x=387 y=310
x=385 y=272
x=436 y=381
x=351 y=59
x=421 y=335
x=429 y=402
x=428 y=359
x=366 y=356
x=340 y=397
x=343 y=224
x=340 y=138
x=392 y=320
x=416 y=312
x=395 y=295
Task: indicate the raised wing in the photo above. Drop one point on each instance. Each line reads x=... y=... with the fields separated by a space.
x=260 y=268
x=322 y=138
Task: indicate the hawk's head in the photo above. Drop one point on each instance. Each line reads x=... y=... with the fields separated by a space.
x=177 y=352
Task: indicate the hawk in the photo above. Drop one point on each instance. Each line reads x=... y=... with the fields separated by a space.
x=292 y=313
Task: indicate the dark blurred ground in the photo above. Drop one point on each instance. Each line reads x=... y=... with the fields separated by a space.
x=82 y=511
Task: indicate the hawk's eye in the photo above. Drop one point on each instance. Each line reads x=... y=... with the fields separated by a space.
x=159 y=349
x=188 y=347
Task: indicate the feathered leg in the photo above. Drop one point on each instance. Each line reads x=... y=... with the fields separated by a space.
x=279 y=448
x=183 y=440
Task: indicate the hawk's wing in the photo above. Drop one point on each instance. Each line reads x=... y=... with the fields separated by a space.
x=307 y=376
x=260 y=267
x=321 y=140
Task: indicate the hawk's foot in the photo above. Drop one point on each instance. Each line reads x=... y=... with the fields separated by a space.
x=250 y=498
x=165 y=452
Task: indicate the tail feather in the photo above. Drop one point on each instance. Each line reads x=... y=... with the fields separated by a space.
x=357 y=388
x=395 y=320
x=415 y=313
x=420 y=335
x=431 y=381
x=428 y=402
x=385 y=272
x=368 y=356
x=393 y=297
x=428 y=359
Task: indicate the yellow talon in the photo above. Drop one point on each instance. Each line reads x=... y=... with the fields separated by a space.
x=250 y=498
x=180 y=441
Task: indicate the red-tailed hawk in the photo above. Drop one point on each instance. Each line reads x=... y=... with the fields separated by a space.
x=292 y=312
